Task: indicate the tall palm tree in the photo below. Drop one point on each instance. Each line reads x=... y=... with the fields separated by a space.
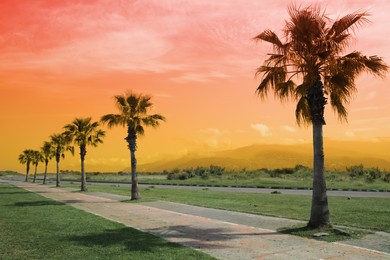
x=83 y=132
x=37 y=157
x=26 y=158
x=48 y=152
x=61 y=144
x=134 y=115
x=313 y=55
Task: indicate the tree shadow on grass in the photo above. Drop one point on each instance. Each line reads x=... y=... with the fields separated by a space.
x=131 y=239
x=36 y=203
x=13 y=192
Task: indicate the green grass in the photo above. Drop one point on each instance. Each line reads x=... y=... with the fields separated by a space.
x=34 y=227
x=334 y=234
x=369 y=213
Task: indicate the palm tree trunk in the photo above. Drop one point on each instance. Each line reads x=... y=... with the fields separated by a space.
x=58 y=176
x=83 y=152
x=319 y=216
x=132 y=141
x=134 y=177
x=45 y=174
x=319 y=208
x=27 y=170
x=35 y=172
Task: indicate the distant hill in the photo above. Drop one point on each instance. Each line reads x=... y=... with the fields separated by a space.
x=338 y=155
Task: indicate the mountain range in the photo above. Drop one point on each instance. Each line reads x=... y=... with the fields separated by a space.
x=338 y=156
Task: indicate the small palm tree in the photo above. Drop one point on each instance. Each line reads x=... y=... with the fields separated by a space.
x=83 y=132
x=312 y=54
x=48 y=152
x=134 y=115
x=36 y=159
x=26 y=158
x=61 y=144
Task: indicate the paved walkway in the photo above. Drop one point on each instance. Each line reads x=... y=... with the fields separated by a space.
x=208 y=233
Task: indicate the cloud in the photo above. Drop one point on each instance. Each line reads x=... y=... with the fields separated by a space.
x=289 y=129
x=263 y=129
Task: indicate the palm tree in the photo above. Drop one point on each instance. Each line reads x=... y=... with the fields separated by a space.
x=61 y=144
x=313 y=54
x=83 y=132
x=134 y=115
x=48 y=152
x=25 y=158
x=37 y=157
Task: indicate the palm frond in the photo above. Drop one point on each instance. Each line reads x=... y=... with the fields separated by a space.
x=284 y=90
x=271 y=77
x=139 y=130
x=114 y=120
x=337 y=103
x=302 y=112
x=271 y=37
x=153 y=120
x=348 y=22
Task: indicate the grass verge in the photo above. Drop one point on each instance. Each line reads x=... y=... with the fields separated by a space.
x=34 y=227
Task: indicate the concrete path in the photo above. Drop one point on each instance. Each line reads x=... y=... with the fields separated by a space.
x=221 y=239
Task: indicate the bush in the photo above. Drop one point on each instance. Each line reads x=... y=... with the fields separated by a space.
x=386 y=177
x=355 y=171
x=277 y=172
x=372 y=174
x=303 y=171
x=202 y=172
x=216 y=170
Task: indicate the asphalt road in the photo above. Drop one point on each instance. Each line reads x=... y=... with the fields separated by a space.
x=363 y=194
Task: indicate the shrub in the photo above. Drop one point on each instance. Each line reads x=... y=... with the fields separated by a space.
x=386 y=177
x=355 y=171
x=302 y=171
x=216 y=170
x=372 y=174
x=277 y=172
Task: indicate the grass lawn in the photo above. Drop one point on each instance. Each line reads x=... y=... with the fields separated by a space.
x=34 y=227
x=370 y=213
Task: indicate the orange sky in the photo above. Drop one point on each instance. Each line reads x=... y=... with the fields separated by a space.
x=65 y=59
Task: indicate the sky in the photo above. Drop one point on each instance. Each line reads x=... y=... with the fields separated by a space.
x=65 y=59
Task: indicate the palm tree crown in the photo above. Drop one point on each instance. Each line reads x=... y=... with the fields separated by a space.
x=313 y=51
x=26 y=156
x=61 y=144
x=133 y=114
x=37 y=157
x=84 y=132
x=47 y=151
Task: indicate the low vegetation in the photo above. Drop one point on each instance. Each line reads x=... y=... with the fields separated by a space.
x=355 y=177
x=34 y=227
